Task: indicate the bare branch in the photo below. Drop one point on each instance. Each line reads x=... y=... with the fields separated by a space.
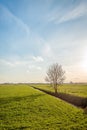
x=55 y=75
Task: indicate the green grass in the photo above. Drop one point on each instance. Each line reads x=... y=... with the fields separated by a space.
x=24 y=108
x=74 y=89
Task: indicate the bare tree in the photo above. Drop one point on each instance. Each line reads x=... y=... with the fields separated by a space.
x=55 y=75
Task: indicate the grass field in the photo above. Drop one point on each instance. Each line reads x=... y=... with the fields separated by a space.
x=24 y=108
x=74 y=89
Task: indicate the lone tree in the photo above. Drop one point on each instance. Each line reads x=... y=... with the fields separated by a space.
x=55 y=75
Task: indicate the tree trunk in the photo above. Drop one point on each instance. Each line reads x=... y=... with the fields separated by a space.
x=55 y=87
x=55 y=90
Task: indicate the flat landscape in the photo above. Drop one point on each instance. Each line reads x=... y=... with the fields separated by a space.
x=73 y=89
x=25 y=108
x=43 y=64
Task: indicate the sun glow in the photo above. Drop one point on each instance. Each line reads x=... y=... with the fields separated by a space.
x=84 y=62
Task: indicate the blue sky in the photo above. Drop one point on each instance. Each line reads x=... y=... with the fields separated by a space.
x=37 y=33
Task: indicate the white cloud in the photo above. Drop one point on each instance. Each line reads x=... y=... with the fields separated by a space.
x=62 y=14
x=38 y=59
x=74 y=13
x=30 y=61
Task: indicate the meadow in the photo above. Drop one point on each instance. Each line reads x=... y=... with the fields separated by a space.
x=25 y=108
x=73 y=89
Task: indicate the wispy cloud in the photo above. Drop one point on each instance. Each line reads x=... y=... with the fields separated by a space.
x=38 y=59
x=30 y=63
x=74 y=13
x=11 y=16
x=62 y=15
x=13 y=63
x=32 y=38
x=5 y=62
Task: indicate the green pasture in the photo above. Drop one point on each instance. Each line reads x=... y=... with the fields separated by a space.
x=74 y=89
x=25 y=108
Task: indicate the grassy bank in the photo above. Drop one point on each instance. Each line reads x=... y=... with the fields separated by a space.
x=73 y=89
x=22 y=107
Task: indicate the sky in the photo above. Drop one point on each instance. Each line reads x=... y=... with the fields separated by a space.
x=37 y=33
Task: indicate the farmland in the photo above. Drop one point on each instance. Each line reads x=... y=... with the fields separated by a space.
x=22 y=107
